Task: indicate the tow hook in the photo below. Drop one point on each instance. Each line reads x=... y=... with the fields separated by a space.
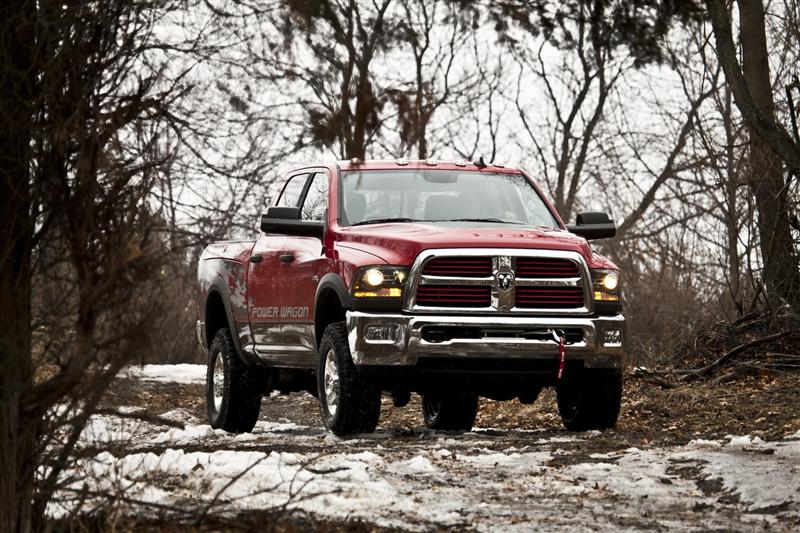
x=559 y=337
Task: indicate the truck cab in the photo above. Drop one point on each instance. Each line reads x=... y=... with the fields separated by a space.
x=451 y=280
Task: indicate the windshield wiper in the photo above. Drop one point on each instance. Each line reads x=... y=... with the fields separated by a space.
x=495 y=220
x=386 y=221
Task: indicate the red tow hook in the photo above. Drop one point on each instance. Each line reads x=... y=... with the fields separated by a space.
x=559 y=336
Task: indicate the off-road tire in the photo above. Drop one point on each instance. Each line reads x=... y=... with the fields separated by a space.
x=590 y=400
x=453 y=411
x=241 y=390
x=359 y=401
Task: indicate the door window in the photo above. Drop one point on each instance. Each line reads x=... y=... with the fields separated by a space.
x=316 y=201
x=292 y=191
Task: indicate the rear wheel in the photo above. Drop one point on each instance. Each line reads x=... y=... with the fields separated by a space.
x=590 y=401
x=349 y=404
x=233 y=393
x=454 y=411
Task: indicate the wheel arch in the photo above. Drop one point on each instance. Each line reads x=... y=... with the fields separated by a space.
x=218 y=315
x=331 y=304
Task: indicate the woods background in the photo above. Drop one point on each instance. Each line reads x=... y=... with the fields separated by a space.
x=133 y=133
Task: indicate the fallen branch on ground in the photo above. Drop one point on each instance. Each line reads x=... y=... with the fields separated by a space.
x=708 y=369
x=144 y=417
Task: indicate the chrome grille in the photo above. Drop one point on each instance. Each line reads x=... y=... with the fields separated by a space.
x=499 y=281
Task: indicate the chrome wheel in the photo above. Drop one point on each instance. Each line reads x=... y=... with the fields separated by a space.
x=218 y=381
x=331 y=381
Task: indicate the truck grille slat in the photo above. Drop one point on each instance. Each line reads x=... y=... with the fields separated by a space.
x=536 y=267
x=453 y=296
x=464 y=267
x=555 y=297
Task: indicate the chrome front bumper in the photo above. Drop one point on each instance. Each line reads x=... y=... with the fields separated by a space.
x=407 y=345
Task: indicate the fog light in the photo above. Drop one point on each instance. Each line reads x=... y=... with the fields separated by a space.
x=381 y=333
x=612 y=336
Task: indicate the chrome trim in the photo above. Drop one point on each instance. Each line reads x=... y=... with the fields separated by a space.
x=503 y=299
x=548 y=282
x=218 y=380
x=410 y=345
x=201 y=334
x=331 y=381
x=441 y=280
x=415 y=279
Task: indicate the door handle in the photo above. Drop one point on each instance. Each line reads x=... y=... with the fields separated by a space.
x=256 y=258
x=286 y=258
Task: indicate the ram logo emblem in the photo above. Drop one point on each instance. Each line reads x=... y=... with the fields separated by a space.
x=504 y=280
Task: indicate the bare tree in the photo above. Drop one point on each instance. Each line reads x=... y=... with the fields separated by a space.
x=17 y=436
x=770 y=144
x=88 y=99
x=438 y=36
x=575 y=129
x=343 y=38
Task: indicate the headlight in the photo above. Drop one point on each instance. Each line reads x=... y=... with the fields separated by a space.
x=610 y=281
x=379 y=282
x=605 y=285
x=373 y=277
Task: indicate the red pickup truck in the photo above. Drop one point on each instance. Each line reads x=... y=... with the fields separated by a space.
x=452 y=280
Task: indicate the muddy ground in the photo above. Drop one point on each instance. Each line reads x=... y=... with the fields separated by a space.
x=766 y=406
x=520 y=469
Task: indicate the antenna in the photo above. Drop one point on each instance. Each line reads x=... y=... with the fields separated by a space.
x=480 y=163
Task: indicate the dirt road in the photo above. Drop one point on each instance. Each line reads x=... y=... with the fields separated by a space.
x=517 y=471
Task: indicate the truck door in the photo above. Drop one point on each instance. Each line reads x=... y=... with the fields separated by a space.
x=309 y=264
x=268 y=286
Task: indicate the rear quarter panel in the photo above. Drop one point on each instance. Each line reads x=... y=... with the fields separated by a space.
x=222 y=268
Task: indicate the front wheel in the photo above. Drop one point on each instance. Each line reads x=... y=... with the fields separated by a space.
x=233 y=394
x=349 y=404
x=590 y=401
x=455 y=411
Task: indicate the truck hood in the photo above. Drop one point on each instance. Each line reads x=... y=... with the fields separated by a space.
x=400 y=243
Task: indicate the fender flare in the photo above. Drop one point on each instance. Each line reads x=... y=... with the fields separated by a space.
x=222 y=290
x=334 y=282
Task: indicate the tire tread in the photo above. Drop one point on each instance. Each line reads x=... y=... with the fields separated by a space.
x=457 y=411
x=241 y=401
x=599 y=402
x=359 y=405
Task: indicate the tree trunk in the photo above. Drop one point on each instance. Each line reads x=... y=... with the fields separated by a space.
x=781 y=274
x=17 y=436
x=364 y=108
x=731 y=209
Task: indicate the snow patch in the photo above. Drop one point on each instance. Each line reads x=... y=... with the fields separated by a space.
x=183 y=373
x=743 y=441
x=703 y=443
x=415 y=465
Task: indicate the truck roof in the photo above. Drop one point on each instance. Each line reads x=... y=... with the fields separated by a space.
x=389 y=164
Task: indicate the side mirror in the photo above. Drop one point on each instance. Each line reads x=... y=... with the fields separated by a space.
x=286 y=221
x=593 y=225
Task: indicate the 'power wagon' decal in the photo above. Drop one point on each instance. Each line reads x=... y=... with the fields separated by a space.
x=279 y=312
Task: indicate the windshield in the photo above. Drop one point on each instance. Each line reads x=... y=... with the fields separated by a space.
x=373 y=196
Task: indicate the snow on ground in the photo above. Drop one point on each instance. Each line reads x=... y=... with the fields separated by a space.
x=183 y=373
x=448 y=480
x=488 y=479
